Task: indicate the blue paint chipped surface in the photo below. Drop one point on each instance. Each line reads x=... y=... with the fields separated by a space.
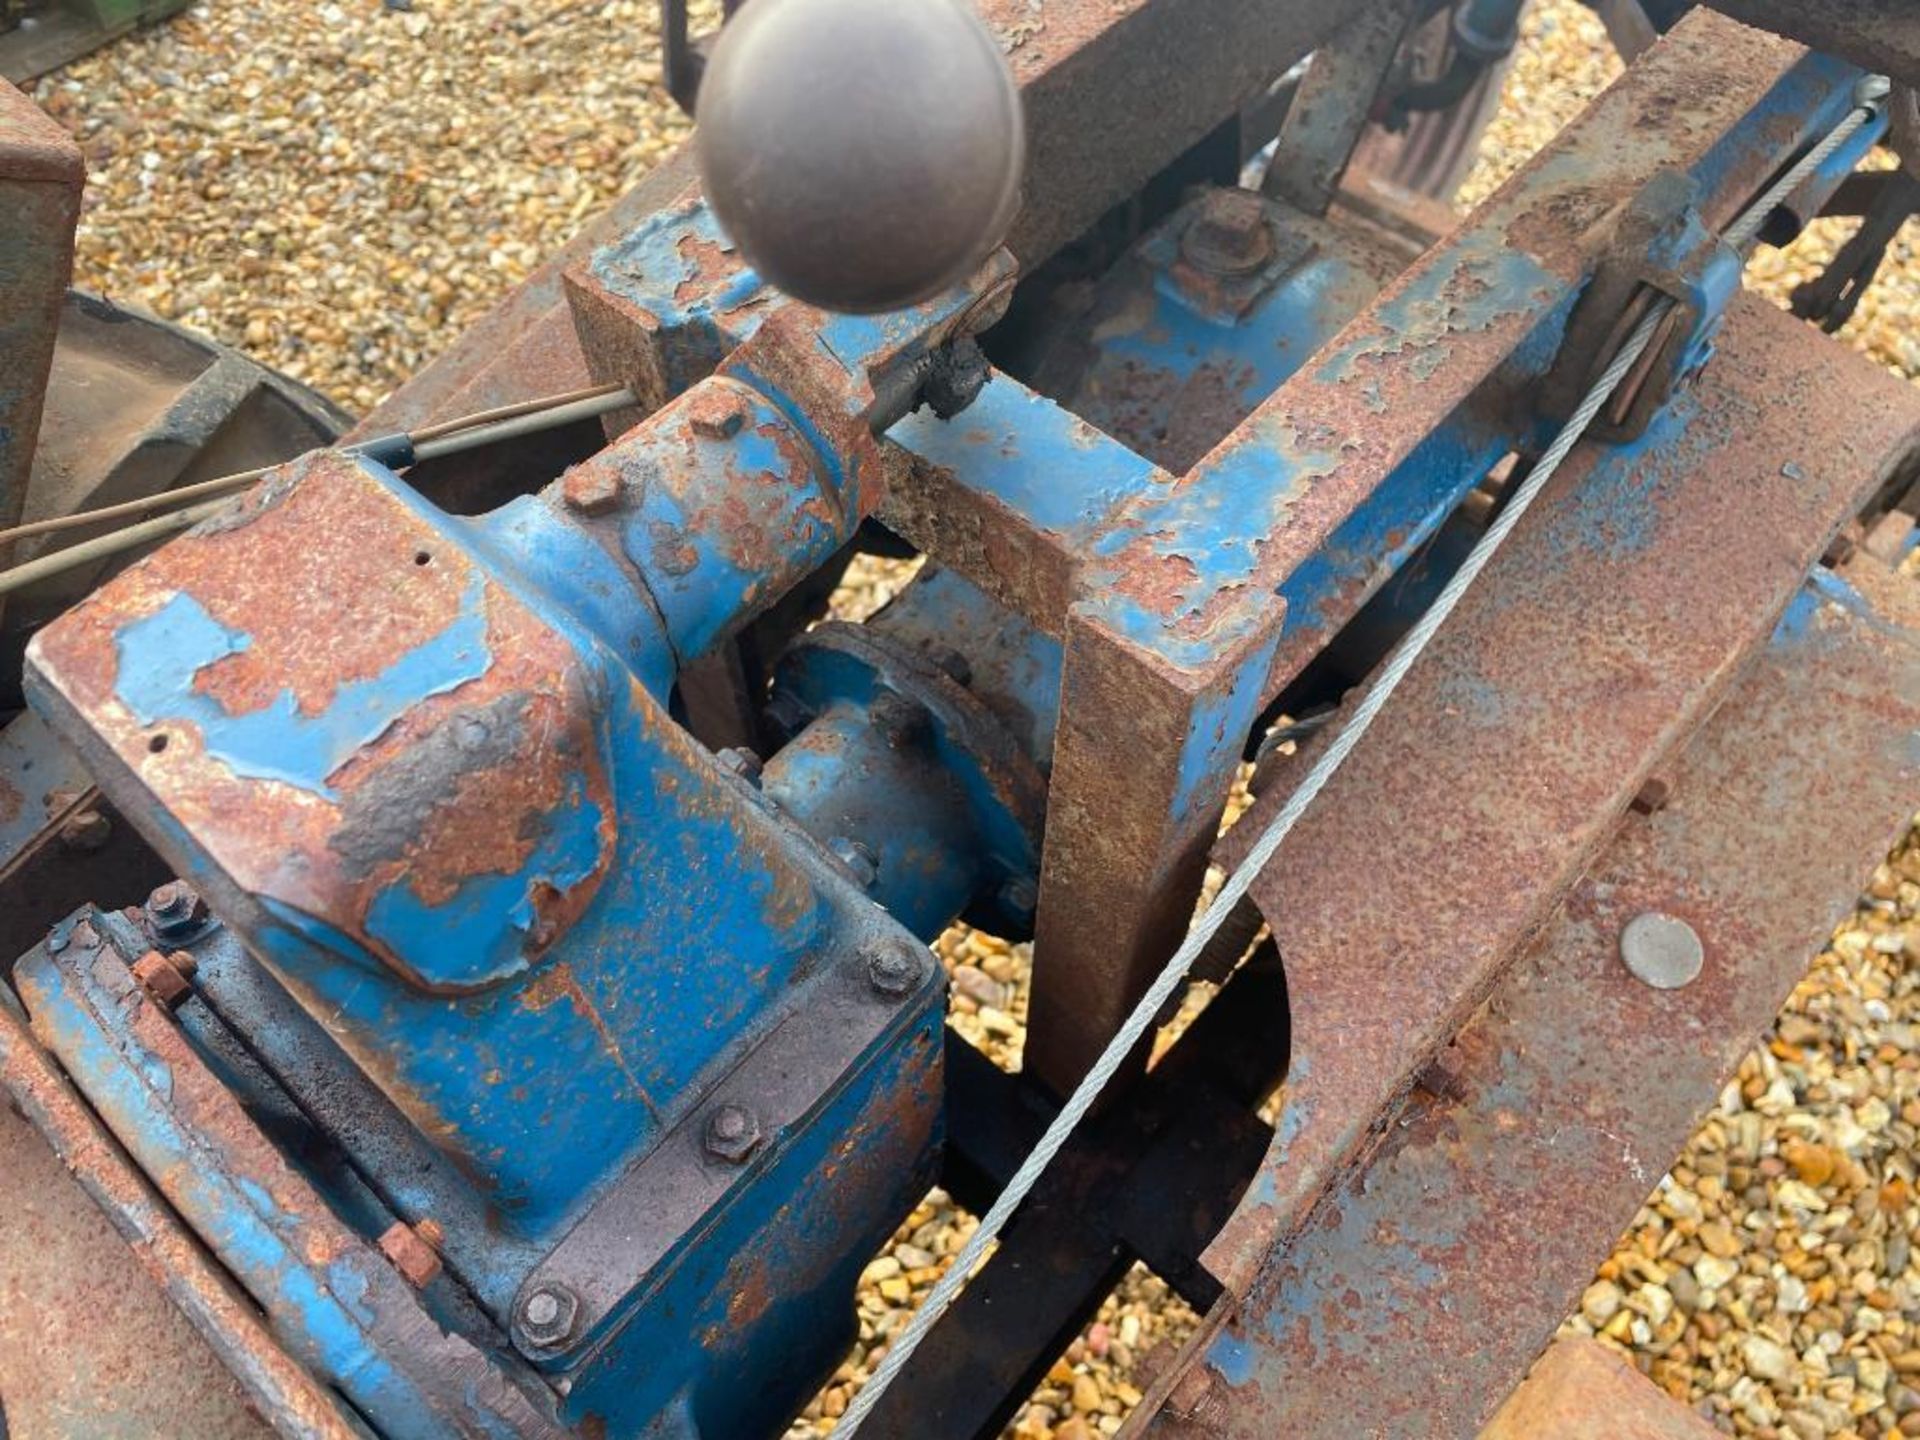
x=162 y=655
x=486 y=930
x=1061 y=474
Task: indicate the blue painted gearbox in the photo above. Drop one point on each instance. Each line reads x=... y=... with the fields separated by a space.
x=510 y=958
x=535 y=919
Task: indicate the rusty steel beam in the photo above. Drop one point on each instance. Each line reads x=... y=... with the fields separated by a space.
x=1335 y=102
x=1568 y=1093
x=1878 y=35
x=1192 y=568
x=1595 y=643
x=1115 y=90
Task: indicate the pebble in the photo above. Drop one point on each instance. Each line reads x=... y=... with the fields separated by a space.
x=1601 y=1302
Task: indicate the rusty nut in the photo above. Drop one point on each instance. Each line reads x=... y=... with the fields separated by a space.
x=175 y=910
x=591 y=489
x=412 y=1251
x=86 y=832
x=167 y=978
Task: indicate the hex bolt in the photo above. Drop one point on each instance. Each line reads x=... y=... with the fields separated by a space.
x=86 y=832
x=956 y=666
x=1661 y=950
x=715 y=414
x=858 y=860
x=548 y=1315
x=592 y=489
x=1229 y=236
x=733 y=1132
x=1871 y=90
x=894 y=970
x=174 y=910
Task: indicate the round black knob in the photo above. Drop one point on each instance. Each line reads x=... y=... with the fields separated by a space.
x=863 y=154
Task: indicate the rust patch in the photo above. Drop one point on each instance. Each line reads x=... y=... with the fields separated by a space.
x=425 y=783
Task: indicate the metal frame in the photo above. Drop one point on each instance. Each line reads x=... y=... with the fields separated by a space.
x=1162 y=611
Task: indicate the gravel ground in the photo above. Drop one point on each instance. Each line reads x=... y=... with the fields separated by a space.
x=338 y=188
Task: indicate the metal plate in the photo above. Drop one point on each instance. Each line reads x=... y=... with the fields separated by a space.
x=1423 y=1285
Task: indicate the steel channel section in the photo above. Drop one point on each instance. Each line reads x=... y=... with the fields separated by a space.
x=340 y=1308
x=297 y=1406
x=1880 y=35
x=1191 y=601
x=41 y=175
x=1608 y=628
x=1569 y=1090
x=1335 y=103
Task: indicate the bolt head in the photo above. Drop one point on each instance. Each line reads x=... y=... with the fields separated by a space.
x=412 y=1251
x=591 y=489
x=894 y=970
x=956 y=666
x=900 y=720
x=174 y=910
x=1661 y=950
x=1230 y=234
x=715 y=413
x=733 y=1133
x=549 y=1314
x=1871 y=89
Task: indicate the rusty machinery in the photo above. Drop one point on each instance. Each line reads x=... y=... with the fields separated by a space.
x=541 y=1033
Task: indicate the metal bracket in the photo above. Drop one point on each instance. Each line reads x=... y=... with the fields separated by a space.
x=1658 y=246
